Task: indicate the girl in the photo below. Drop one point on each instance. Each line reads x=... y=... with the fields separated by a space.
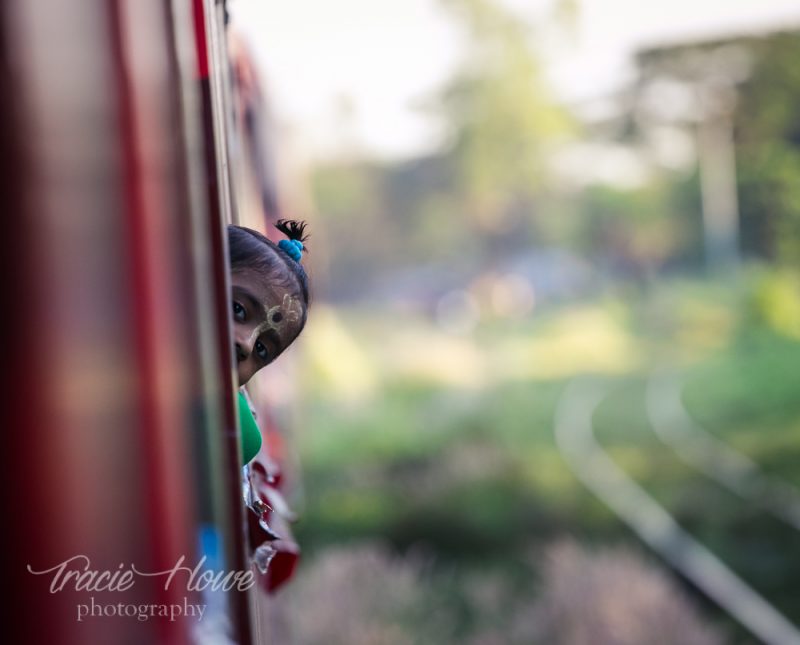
x=270 y=305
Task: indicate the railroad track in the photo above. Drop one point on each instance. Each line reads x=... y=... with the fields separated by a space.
x=652 y=522
x=700 y=449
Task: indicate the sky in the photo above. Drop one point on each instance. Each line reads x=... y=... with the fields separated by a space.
x=358 y=74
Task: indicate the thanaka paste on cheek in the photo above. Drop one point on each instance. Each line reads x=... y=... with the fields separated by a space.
x=286 y=313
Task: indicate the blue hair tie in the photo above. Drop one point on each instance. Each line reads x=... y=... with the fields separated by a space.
x=294 y=248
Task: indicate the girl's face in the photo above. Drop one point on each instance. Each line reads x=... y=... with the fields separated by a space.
x=265 y=321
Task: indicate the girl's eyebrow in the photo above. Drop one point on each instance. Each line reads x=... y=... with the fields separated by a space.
x=255 y=305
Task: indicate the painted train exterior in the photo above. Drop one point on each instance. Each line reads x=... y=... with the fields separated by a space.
x=122 y=456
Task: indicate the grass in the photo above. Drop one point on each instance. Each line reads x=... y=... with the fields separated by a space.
x=421 y=453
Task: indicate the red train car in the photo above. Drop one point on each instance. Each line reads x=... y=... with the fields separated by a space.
x=125 y=511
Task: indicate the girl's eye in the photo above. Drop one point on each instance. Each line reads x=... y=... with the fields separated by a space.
x=261 y=351
x=238 y=312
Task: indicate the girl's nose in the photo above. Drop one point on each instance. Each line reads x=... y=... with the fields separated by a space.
x=244 y=343
x=243 y=350
x=241 y=353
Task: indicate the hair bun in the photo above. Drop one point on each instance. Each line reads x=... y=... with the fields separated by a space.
x=293 y=229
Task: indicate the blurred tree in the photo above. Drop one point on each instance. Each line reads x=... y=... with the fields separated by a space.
x=480 y=192
x=353 y=220
x=768 y=140
x=635 y=231
x=747 y=88
x=502 y=120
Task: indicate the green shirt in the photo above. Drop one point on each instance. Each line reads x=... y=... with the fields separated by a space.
x=251 y=437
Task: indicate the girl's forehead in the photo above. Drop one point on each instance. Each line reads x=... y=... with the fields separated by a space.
x=267 y=295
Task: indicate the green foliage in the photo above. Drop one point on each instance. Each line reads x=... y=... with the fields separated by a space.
x=475 y=479
x=349 y=191
x=637 y=226
x=747 y=395
x=773 y=301
x=488 y=184
x=502 y=118
x=754 y=82
x=354 y=220
x=491 y=187
x=768 y=138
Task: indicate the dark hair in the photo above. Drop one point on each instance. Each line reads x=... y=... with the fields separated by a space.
x=252 y=250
